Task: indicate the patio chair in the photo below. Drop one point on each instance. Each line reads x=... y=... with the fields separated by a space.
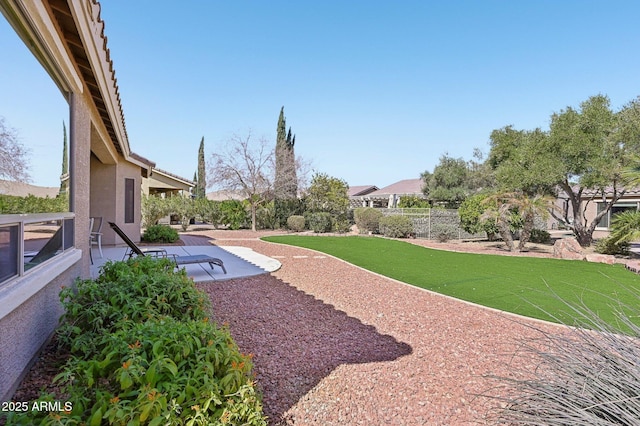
x=96 y=233
x=178 y=260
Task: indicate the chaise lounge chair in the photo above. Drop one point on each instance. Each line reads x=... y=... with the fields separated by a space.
x=179 y=260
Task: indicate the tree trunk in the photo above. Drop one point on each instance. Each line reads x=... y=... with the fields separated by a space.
x=505 y=233
x=527 y=227
x=253 y=217
x=583 y=234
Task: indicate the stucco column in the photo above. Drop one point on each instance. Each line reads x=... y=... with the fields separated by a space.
x=79 y=170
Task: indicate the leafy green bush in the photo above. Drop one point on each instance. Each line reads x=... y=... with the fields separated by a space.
x=296 y=223
x=472 y=218
x=444 y=232
x=341 y=224
x=284 y=208
x=160 y=234
x=413 y=202
x=319 y=222
x=610 y=245
x=184 y=207
x=134 y=290
x=540 y=236
x=367 y=219
x=153 y=209
x=396 y=226
x=234 y=214
x=11 y=204
x=266 y=216
x=162 y=371
x=151 y=358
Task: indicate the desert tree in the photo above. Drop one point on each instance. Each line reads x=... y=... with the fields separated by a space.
x=245 y=165
x=584 y=152
x=448 y=182
x=13 y=155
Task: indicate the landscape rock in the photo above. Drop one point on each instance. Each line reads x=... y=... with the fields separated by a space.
x=601 y=258
x=568 y=248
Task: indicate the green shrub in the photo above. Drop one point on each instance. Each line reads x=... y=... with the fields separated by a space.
x=234 y=214
x=296 y=223
x=396 y=226
x=135 y=290
x=153 y=209
x=284 y=208
x=413 y=202
x=444 y=232
x=11 y=204
x=160 y=234
x=162 y=371
x=611 y=246
x=319 y=222
x=367 y=219
x=266 y=216
x=143 y=352
x=540 y=236
x=341 y=224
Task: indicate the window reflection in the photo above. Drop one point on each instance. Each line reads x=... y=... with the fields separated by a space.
x=42 y=241
x=9 y=250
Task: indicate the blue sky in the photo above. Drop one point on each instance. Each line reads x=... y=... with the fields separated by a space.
x=375 y=91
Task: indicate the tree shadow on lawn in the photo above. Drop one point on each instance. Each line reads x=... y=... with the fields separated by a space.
x=296 y=339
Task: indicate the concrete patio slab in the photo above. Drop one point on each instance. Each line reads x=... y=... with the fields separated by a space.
x=238 y=261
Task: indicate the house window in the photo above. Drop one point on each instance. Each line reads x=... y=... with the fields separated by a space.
x=9 y=251
x=129 y=199
x=605 y=222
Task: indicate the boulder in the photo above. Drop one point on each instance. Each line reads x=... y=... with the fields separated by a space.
x=568 y=248
x=601 y=258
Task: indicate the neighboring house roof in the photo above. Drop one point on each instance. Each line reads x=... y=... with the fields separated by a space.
x=355 y=191
x=403 y=187
x=175 y=177
x=21 y=189
x=225 y=195
x=163 y=181
x=608 y=192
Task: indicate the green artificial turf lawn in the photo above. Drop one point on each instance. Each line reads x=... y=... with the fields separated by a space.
x=534 y=287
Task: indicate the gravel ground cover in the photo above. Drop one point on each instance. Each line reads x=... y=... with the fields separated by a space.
x=335 y=345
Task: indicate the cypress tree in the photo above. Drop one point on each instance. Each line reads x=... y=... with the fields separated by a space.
x=201 y=181
x=64 y=176
x=286 y=182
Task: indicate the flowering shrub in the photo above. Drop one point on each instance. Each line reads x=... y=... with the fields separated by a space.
x=144 y=352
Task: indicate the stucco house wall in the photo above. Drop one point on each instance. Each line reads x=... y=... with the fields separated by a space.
x=67 y=38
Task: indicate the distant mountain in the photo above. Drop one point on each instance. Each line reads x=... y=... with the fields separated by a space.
x=23 y=189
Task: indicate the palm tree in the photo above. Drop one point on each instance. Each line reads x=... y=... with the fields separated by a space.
x=527 y=206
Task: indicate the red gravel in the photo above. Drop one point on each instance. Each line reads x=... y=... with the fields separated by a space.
x=334 y=344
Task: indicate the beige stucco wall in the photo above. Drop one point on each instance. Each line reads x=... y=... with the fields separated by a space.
x=80 y=131
x=26 y=329
x=107 y=198
x=127 y=170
